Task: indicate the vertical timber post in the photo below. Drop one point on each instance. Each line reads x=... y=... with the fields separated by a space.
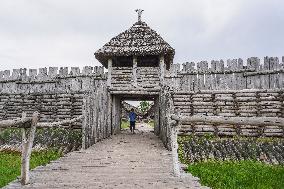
x=173 y=126
x=109 y=63
x=162 y=69
x=157 y=116
x=84 y=123
x=134 y=70
x=174 y=145
x=109 y=114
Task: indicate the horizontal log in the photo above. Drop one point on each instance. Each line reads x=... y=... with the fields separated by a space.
x=228 y=91
x=267 y=72
x=59 y=123
x=258 y=121
x=18 y=123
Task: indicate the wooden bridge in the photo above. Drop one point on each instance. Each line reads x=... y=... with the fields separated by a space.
x=123 y=161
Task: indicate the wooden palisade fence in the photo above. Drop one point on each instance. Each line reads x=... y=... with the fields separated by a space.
x=177 y=120
x=27 y=140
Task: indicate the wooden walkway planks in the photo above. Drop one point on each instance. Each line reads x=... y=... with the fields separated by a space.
x=124 y=161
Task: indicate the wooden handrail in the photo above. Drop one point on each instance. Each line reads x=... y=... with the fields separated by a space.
x=18 y=123
x=257 y=121
x=27 y=140
x=26 y=123
x=59 y=123
x=176 y=120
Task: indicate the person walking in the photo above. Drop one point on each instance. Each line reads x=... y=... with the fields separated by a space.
x=132 y=119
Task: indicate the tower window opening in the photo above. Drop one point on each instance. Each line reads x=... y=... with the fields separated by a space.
x=122 y=61
x=148 y=61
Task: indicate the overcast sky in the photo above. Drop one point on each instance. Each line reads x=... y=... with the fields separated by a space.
x=43 y=33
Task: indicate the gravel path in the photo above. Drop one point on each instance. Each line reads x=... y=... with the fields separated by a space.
x=123 y=161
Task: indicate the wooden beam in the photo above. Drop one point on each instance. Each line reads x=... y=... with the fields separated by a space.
x=257 y=121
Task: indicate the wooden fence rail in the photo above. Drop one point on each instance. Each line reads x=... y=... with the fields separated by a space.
x=177 y=120
x=27 y=140
x=257 y=121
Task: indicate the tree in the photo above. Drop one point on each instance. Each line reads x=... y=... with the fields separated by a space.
x=144 y=106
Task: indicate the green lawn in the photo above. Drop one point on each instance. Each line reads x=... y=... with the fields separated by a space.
x=240 y=174
x=125 y=124
x=10 y=163
x=151 y=123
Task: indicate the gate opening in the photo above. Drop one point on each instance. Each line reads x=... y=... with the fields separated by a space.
x=145 y=111
x=146 y=108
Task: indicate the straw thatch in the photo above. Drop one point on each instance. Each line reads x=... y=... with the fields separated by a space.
x=139 y=40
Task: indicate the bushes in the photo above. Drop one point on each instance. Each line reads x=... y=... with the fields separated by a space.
x=199 y=149
x=67 y=139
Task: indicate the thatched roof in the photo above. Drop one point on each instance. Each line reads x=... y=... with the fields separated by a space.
x=139 y=40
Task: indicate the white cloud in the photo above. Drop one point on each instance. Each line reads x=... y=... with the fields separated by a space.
x=43 y=33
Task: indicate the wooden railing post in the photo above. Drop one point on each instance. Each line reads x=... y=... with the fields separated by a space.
x=27 y=141
x=27 y=144
x=174 y=147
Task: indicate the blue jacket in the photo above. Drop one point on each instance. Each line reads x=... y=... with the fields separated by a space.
x=132 y=116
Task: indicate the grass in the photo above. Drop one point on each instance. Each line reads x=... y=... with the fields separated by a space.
x=125 y=124
x=231 y=174
x=239 y=174
x=151 y=123
x=10 y=163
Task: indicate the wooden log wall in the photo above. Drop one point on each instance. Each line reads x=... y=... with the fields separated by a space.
x=230 y=103
x=50 y=80
x=232 y=75
x=52 y=107
x=97 y=115
x=59 y=96
x=165 y=111
x=122 y=79
x=148 y=77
